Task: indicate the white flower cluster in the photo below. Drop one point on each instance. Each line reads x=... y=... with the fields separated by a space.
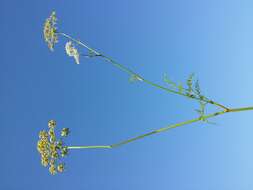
x=72 y=51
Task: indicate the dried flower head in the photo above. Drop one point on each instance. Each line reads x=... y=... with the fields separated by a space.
x=72 y=51
x=52 y=149
x=50 y=32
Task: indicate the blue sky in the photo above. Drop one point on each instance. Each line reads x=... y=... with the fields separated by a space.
x=213 y=39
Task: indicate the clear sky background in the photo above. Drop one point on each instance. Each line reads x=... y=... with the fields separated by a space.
x=212 y=38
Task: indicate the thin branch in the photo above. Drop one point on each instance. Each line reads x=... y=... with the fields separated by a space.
x=127 y=70
x=163 y=129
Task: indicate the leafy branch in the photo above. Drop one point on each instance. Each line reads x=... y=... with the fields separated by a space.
x=138 y=76
x=51 y=35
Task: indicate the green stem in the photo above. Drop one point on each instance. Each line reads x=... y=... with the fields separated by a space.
x=79 y=147
x=165 y=128
x=130 y=72
x=240 y=109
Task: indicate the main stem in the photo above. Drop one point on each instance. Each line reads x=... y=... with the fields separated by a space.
x=130 y=72
x=163 y=129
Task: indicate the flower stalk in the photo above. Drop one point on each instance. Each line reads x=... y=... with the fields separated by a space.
x=162 y=129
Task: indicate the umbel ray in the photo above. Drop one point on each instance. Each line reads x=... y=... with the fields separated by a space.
x=53 y=149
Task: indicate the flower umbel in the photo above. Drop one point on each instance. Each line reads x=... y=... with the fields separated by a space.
x=50 y=32
x=72 y=51
x=51 y=149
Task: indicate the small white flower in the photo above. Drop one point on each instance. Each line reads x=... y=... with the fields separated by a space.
x=72 y=51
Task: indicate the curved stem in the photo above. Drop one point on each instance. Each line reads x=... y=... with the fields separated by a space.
x=164 y=129
x=130 y=72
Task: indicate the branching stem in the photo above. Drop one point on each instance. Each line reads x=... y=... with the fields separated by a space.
x=132 y=73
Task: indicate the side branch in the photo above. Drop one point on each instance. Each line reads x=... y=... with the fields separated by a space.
x=132 y=73
x=150 y=133
x=163 y=129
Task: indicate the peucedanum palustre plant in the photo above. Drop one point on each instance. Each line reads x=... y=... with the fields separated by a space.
x=52 y=150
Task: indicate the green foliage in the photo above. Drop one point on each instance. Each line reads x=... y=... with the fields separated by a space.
x=189 y=90
x=201 y=99
x=174 y=86
x=197 y=88
x=201 y=110
x=192 y=91
x=169 y=82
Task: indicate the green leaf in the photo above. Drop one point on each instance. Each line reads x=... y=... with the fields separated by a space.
x=189 y=84
x=170 y=82
x=197 y=88
x=201 y=110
